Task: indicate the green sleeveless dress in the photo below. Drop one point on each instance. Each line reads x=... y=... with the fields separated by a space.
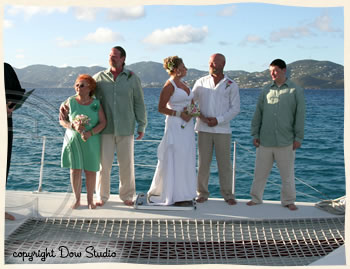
x=77 y=153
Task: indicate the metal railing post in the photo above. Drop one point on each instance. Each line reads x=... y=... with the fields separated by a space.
x=234 y=168
x=42 y=165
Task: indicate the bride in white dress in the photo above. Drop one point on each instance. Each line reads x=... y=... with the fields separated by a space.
x=175 y=177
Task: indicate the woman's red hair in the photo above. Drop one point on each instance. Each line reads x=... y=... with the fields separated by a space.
x=90 y=80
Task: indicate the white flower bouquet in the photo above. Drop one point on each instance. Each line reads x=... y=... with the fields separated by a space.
x=81 y=120
x=193 y=110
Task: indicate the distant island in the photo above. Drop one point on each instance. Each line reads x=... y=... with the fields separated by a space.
x=309 y=74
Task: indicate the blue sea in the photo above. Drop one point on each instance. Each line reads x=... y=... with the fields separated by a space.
x=319 y=163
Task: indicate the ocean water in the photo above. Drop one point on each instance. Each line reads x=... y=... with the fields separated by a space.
x=319 y=163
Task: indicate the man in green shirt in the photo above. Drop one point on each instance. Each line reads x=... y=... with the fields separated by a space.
x=121 y=96
x=278 y=130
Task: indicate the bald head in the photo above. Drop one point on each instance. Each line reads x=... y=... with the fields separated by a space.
x=219 y=57
x=216 y=64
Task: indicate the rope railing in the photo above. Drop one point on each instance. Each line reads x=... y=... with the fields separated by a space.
x=235 y=143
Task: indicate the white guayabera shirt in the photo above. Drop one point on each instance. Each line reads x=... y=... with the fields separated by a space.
x=221 y=101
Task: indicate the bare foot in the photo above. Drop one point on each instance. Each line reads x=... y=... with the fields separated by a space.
x=231 y=201
x=201 y=199
x=128 y=203
x=92 y=206
x=75 y=205
x=250 y=203
x=100 y=203
x=291 y=207
x=9 y=216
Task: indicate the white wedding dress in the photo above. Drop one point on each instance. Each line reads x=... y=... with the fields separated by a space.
x=175 y=176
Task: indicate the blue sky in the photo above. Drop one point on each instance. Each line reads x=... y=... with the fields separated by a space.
x=250 y=35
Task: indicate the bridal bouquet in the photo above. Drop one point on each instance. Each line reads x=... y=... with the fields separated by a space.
x=81 y=120
x=193 y=110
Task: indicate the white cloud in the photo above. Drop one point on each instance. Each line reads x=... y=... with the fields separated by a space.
x=61 y=42
x=323 y=24
x=129 y=13
x=201 y=14
x=182 y=34
x=85 y=13
x=30 y=11
x=227 y=11
x=224 y=43
x=101 y=35
x=315 y=47
x=252 y=39
x=8 y=24
x=104 y=35
x=19 y=56
x=290 y=32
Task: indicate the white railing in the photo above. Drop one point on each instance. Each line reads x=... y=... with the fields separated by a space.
x=42 y=165
x=235 y=144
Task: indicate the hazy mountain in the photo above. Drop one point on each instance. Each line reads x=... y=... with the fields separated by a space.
x=45 y=76
x=309 y=74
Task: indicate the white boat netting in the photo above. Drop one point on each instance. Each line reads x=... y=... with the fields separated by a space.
x=291 y=242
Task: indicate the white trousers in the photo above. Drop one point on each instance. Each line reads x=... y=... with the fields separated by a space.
x=124 y=146
x=284 y=157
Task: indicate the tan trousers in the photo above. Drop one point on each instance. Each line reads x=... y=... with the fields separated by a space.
x=222 y=144
x=124 y=146
x=284 y=157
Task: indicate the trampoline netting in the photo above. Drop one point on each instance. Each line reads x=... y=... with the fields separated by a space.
x=291 y=242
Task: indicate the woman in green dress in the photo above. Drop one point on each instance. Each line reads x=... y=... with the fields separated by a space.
x=81 y=146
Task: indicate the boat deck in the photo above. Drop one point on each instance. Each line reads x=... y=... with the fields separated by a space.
x=54 y=204
x=215 y=232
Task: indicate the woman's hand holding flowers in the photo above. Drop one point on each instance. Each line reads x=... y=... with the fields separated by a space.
x=86 y=135
x=79 y=127
x=185 y=115
x=79 y=123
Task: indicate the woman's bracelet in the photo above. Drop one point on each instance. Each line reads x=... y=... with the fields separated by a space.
x=92 y=132
x=176 y=113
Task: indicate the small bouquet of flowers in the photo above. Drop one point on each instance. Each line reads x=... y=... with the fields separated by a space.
x=81 y=120
x=193 y=110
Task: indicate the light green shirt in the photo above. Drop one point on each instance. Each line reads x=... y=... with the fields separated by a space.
x=279 y=117
x=122 y=101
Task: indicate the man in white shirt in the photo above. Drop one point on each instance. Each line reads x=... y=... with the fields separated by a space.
x=219 y=102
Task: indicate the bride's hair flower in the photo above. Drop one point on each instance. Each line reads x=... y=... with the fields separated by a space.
x=170 y=66
x=171 y=62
